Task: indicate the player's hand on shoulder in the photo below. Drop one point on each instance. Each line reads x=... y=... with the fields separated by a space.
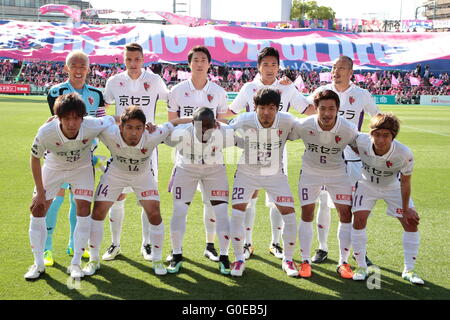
x=150 y=127
x=50 y=119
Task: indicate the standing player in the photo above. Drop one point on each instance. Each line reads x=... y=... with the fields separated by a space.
x=184 y=99
x=199 y=159
x=264 y=132
x=131 y=148
x=355 y=102
x=68 y=143
x=268 y=67
x=77 y=68
x=325 y=136
x=142 y=88
x=384 y=161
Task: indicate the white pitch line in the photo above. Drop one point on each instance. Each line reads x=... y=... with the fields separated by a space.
x=429 y=131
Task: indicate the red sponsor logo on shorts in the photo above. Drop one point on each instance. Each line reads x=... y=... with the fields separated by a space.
x=285 y=199
x=347 y=197
x=219 y=193
x=150 y=193
x=83 y=192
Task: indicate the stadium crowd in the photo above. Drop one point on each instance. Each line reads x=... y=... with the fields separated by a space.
x=47 y=74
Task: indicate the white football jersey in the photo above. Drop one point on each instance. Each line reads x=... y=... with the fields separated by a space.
x=324 y=149
x=143 y=92
x=290 y=97
x=191 y=153
x=62 y=153
x=263 y=147
x=184 y=99
x=354 y=103
x=133 y=159
x=383 y=171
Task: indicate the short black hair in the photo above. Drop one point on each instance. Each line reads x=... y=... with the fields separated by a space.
x=134 y=47
x=204 y=113
x=132 y=112
x=268 y=52
x=69 y=103
x=267 y=96
x=199 y=49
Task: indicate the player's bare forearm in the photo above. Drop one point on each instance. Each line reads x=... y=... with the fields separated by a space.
x=172 y=115
x=178 y=121
x=36 y=170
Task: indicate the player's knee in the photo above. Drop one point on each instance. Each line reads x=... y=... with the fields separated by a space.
x=155 y=218
x=359 y=221
x=122 y=197
x=285 y=210
x=217 y=202
x=240 y=206
x=308 y=212
x=180 y=208
x=83 y=207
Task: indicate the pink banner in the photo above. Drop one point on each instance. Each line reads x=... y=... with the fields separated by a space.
x=68 y=11
x=236 y=46
x=436 y=82
x=414 y=81
x=360 y=78
x=394 y=81
x=325 y=77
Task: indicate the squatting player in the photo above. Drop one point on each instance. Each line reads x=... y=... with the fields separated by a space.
x=131 y=148
x=386 y=175
x=67 y=141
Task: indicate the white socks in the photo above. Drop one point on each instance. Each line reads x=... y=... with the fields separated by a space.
x=178 y=225
x=237 y=230
x=359 y=244
x=411 y=241
x=345 y=241
x=157 y=240
x=95 y=239
x=289 y=234
x=116 y=214
x=209 y=219
x=145 y=228
x=305 y=235
x=323 y=221
x=80 y=238
x=276 y=221
x=223 y=227
x=38 y=236
x=250 y=220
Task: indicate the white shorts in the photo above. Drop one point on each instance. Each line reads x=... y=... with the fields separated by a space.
x=310 y=186
x=154 y=168
x=366 y=197
x=81 y=181
x=114 y=181
x=214 y=182
x=354 y=170
x=276 y=186
x=285 y=171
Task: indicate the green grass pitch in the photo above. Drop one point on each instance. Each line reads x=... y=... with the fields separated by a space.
x=425 y=129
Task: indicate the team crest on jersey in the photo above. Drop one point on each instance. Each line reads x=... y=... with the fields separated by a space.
x=351 y=100
x=389 y=164
x=144 y=150
x=337 y=139
x=146 y=86
x=311 y=133
x=91 y=100
x=280 y=132
x=84 y=141
x=210 y=97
